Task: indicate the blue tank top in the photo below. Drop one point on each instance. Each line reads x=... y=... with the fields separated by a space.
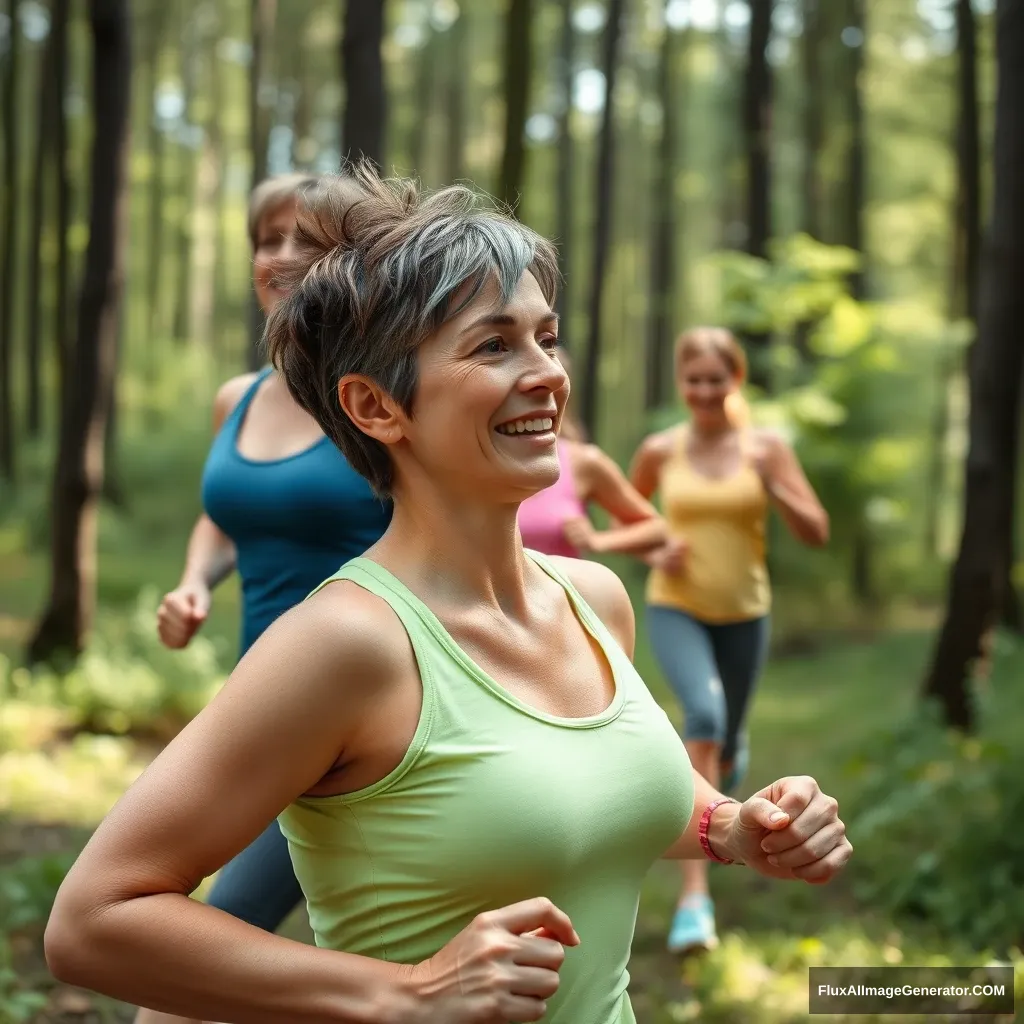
x=294 y=521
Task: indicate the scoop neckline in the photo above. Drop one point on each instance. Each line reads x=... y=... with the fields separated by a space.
x=243 y=412
x=434 y=624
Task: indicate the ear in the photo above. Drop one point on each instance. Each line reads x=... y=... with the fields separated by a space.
x=371 y=408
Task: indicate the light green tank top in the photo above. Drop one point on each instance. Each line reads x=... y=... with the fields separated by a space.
x=496 y=802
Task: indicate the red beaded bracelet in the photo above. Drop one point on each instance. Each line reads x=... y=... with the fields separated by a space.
x=702 y=830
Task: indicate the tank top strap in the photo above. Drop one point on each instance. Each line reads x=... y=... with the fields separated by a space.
x=420 y=623
x=242 y=406
x=590 y=619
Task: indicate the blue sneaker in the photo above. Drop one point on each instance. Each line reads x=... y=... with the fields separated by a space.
x=693 y=926
x=737 y=772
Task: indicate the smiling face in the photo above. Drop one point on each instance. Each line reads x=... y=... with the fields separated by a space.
x=705 y=381
x=489 y=398
x=273 y=248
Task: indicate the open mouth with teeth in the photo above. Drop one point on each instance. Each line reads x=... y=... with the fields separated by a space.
x=541 y=425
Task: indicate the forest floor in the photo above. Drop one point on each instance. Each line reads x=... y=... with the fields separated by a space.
x=816 y=714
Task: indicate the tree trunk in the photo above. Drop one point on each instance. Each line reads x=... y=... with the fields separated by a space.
x=8 y=264
x=603 y=194
x=518 y=66
x=49 y=111
x=186 y=189
x=997 y=365
x=855 y=196
x=863 y=541
x=78 y=477
x=426 y=65
x=814 y=140
x=61 y=302
x=664 y=231
x=362 y=133
x=814 y=121
x=264 y=14
x=566 y=193
x=455 y=142
x=157 y=148
x=757 y=114
x=965 y=248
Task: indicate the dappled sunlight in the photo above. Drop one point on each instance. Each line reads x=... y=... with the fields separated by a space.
x=77 y=784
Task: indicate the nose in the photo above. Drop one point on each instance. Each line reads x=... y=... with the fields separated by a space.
x=543 y=371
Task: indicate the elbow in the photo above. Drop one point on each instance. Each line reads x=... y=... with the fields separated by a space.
x=64 y=947
x=71 y=946
x=818 y=531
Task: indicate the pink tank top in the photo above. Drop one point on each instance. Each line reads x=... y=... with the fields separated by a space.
x=543 y=516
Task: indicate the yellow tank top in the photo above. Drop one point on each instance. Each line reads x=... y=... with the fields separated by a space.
x=724 y=576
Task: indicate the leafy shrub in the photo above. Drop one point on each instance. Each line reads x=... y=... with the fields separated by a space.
x=127 y=681
x=936 y=819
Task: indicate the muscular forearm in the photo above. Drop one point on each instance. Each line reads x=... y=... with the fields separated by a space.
x=173 y=954
x=636 y=538
x=211 y=555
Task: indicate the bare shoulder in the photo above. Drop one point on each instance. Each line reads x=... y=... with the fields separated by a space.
x=661 y=444
x=348 y=627
x=229 y=394
x=588 y=459
x=605 y=593
x=771 y=441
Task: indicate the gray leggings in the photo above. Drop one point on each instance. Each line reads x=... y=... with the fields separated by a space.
x=712 y=669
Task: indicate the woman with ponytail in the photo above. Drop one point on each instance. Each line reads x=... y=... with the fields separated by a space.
x=709 y=596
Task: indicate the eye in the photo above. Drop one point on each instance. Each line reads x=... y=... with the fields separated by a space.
x=492 y=347
x=549 y=343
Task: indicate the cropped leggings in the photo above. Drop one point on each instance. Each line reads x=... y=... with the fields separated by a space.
x=259 y=886
x=712 y=669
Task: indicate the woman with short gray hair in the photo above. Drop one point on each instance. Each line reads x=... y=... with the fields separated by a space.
x=472 y=777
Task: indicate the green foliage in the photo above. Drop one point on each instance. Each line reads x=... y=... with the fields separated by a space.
x=127 y=681
x=935 y=817
x=854 y=386
x=27 y=890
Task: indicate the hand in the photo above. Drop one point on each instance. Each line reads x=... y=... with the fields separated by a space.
x=670 y=557
x=181 y=613
x=580 y=533
x=807 y=842
x=499 y=969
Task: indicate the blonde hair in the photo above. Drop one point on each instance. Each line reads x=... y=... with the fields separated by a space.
x=272 y=193
x=720 y=342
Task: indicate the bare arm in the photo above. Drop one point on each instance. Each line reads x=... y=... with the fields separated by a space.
x=210 y=556
x=792 y=493
x=123 y=923
x=638 y=526
x=645 y=468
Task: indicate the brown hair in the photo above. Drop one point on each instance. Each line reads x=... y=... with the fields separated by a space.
x=272 y=193
x=377 y=266
x=720 y=342
x=570 y=427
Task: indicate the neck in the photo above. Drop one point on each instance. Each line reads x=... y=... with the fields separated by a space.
x=457 y=549
x=712 y=428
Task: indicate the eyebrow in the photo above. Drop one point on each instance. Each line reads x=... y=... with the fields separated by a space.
x=505 y=320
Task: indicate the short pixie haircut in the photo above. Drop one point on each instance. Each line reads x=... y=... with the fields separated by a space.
x=377 y=268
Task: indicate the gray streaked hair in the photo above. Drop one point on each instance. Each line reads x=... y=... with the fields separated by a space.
x=377 y=268
x=272 y=193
